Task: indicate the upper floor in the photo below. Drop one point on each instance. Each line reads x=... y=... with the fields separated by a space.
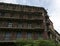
x=17 y=7
x=20 y=15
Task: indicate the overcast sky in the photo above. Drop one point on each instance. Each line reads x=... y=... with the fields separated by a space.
x=52 y=6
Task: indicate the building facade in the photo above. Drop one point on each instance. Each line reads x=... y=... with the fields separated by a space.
x=52 y=33
x=23 y=22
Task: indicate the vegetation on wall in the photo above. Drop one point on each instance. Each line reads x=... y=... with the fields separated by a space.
x=39 y=42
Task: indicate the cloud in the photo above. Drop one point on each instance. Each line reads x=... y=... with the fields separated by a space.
x=33 y=2
x=27 y=2
x=8 y=1
x=21 y=1
x=55 y=14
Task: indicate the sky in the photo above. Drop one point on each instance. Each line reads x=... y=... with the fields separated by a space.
x=52 y=7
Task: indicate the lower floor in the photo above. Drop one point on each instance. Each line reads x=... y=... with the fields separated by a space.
x=14 y=35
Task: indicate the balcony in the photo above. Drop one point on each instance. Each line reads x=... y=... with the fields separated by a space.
x=18 y=18
x=48 y=22
x=5 y=25
x=21 y=28
x=18 y=8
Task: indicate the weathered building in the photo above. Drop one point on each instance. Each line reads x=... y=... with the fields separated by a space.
x=53 y=34
x=23 y=22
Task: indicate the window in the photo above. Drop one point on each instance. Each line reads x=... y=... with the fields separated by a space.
x=1 y=23
x=29 y=16
x=20 y=25
x=40 y=14
x=2 y=14
x=1 y=6
x=38 y=25
x=6 y=6
x=19 y=35
x=29 y=25
x=7 y=14
x=39 y=35
x=10 y=24
x=29 y=35
x=1 y=35
x=7 y=36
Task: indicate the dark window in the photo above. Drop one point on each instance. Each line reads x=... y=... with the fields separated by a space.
x=19 y=35
x=10 y=24
x=2 y=13
x=29 y=25
x=7 y=36
x=1 y=35
x=20 y=25
x=38 y=25
x=29 y=35
x=39 y=35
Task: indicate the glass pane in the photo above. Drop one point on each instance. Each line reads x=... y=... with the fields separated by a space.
x=0 y=14
x=10 y=24
x=20 y=25
x=29 y=35
x=39 y=35
x=7 y=35
x=18 y=35
x=29 y=25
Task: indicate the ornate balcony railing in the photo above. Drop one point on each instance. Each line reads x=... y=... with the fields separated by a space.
x=21 y=28
x=18 y=18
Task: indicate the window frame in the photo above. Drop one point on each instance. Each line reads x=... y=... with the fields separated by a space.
x=7 y=36
x=18 y=35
